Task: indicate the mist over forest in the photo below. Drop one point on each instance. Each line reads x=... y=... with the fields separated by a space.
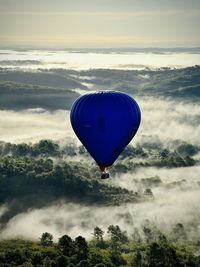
x=49 y=183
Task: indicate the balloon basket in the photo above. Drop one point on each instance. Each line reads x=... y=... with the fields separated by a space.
x=105 y=175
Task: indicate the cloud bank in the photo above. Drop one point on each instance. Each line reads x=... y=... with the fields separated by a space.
x=35 y=124
x=161 y=119
x=168 y=208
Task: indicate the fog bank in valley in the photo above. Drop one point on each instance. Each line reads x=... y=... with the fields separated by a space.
x=167 y=208
x=162 y=120
x=35 y=124
x=165 y=121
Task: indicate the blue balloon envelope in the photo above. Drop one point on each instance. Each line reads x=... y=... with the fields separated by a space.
x=105 y=122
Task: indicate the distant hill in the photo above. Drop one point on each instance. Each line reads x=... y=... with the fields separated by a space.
x=41 y=78
x=21 y=96
x=183 y=83
x=57 y=89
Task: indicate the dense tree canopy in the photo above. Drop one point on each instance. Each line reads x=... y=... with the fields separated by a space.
x=79 y=252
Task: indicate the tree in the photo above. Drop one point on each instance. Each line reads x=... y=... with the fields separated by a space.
x=148 y=193
x=62 y=261
x=22 y=149
x=162 y=255
x=164 y=154
x=117 y=259
x=37 y=258
x=187 y=149
x=136 y=236
x=179 y=233
x=96 y=256
x=137 y=259
x=117 y=238
x=27 y=264
x=83 y=263
x=98 y=237
x=98 y=234
x=65 y=243
x=14 y=256
x=81 y=248
x=116 y=234
x=46 y=148
x=149 y=235
x=47 y=262
x=82 y=150
x=46 y=239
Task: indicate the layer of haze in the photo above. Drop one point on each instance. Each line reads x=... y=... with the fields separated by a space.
x=169 y=207
x=161 y=120
x=78 y=60
x=99 y=23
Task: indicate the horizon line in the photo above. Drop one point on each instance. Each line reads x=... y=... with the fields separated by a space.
x=94 y=48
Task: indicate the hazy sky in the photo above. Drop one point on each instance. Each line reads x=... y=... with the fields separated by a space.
x=100 y=23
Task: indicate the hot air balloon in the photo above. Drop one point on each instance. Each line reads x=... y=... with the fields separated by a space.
x=105 y=122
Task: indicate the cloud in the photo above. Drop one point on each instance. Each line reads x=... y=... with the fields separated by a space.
x=161 y=119
x=166 y=209
x=169 y=120
x=98 y=59
x=33 y=125
x=132 y=181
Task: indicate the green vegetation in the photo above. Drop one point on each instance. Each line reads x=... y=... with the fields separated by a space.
x=38 y=175
x=32 y=175
x=55 y=79
x=50 y=172
x=44 y=165
x=146 y=154
x=53 y=89
x=181 y=84
x=154 y=250
x=14 y=95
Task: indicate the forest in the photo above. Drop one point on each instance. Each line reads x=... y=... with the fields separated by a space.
x=32 y=175
x=57 y=88
x=47 y=170
x=117 y=249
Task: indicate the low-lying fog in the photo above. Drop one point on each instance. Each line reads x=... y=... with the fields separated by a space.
x=167 y=208
x=78 y=60
x=161 y=120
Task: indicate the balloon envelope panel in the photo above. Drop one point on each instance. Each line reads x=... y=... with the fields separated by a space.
x=105 y=122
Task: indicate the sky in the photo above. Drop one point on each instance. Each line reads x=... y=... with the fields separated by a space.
x=99 y=23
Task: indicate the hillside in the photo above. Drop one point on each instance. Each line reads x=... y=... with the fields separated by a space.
x=54 y=89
